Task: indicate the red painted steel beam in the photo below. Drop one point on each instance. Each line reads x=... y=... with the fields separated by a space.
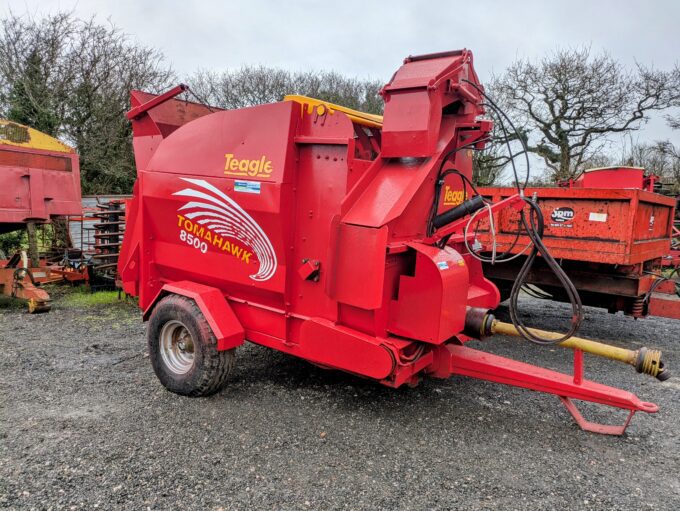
x=485 y=366
x=145 y=107
x=478 y=364
x=514 y=201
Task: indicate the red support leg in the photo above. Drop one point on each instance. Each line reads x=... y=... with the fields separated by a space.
x=485 y=366
x=594 y=427
x=578 y=367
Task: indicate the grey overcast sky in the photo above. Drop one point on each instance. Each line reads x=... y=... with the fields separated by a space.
x=370 y=38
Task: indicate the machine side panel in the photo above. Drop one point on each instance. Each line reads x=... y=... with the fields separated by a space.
x=430 y=305
x=209 y=220
x=359 y=274
x=320 y=186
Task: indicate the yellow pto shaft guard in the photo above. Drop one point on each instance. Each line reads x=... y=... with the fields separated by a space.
x=643 y=360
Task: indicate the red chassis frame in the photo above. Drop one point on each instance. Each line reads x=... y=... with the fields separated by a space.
x=336 y=265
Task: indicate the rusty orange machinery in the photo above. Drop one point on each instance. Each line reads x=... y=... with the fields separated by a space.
x=318 y=231
x=40 y=179
x=610 y=232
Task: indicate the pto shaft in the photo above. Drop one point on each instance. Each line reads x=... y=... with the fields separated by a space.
x=643 y=360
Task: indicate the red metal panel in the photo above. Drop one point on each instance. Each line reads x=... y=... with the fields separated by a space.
x=430 y=306
x=325 y=343
x=359 y=273
x=612 y=178
x=623 y=226
x=415 y=97
x=38 y=198
x=166 y=116
x=387 y=195
x=37 y=185
x=665 y=305
x=321 y=183
x=244 y=144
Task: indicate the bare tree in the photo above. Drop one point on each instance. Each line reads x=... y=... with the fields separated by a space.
x=672 y=172
x=660 y=158
x=647 y=156
x=71 y=78
x=488 y=165
x=255 y=85
x=572 y=101
x=674 y=120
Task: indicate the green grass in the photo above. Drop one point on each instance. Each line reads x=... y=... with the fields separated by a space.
x=81 y=298
x=105 y=305
x=7 y=302
x=101 y=309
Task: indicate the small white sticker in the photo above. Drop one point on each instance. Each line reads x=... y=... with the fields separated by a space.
x=443 y=265
x=597 y=217
x=247 y=186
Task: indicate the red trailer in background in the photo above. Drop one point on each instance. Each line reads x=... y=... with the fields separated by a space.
x=40 y=181
x=610 y=232
x=40 y=177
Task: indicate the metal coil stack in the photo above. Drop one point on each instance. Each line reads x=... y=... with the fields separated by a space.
x=108 y=228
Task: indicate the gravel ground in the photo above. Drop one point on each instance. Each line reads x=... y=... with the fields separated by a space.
x=85 y=424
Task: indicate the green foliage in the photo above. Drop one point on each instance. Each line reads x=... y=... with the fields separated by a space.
x=71 y=78
x=10 y=242
x=7 y=302
x=29 y=98
x=48 y=237
x=81 y=298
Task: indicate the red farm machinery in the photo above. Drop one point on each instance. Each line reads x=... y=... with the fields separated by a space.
x=321 y=232
x=40 y=183
x=612 y=234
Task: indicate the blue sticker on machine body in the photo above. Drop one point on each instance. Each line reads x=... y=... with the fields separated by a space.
x=247 y=186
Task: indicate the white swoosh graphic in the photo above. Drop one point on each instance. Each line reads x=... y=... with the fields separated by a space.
x=221 y=214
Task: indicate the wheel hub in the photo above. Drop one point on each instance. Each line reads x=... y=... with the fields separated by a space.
x=177 y=347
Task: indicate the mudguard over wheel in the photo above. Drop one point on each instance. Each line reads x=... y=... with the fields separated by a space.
x=183 y=349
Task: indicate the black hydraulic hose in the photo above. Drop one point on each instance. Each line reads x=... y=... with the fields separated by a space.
x=439 y=182
x=464 y=208
x=535 y=233
x=534 y=228
x=502 y=115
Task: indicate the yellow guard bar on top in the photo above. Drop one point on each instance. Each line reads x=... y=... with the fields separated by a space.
x=369 y=120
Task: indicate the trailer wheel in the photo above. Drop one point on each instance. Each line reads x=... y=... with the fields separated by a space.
x=183 y=349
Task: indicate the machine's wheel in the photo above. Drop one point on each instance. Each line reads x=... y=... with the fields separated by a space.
x=183 y=349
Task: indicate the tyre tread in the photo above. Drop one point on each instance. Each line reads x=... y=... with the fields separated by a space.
x=210 y=375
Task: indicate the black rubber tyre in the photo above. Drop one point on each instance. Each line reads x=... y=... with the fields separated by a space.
x=183 y=349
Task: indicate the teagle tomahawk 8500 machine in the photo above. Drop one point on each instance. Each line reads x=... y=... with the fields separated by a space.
x=331 y=235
